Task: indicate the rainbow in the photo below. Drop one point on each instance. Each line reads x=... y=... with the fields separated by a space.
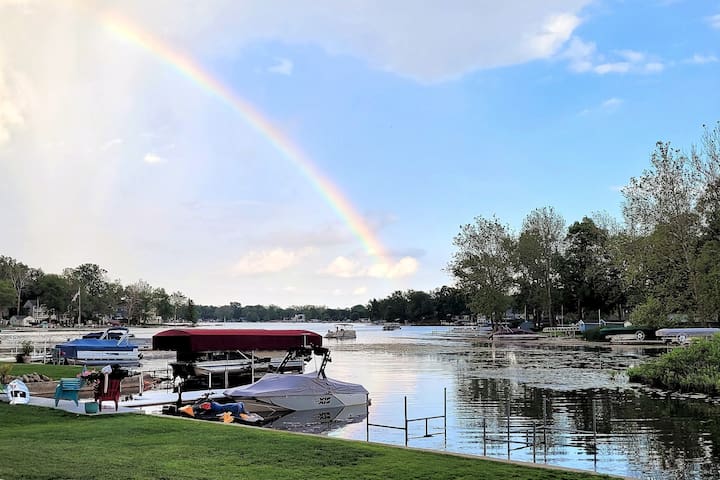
x=123 y=29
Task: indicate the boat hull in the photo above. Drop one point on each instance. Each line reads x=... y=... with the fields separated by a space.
x=106 y=350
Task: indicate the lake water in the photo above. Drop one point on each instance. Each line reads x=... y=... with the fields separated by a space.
x=596 y=420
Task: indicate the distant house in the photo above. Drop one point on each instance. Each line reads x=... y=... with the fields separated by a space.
x=36 y=311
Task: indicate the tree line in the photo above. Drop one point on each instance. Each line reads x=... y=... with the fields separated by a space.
x=85 y=294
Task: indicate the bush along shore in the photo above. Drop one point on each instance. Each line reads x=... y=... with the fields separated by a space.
x=693 y=369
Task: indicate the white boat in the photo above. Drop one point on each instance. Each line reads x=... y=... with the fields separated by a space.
x=343 y=331
x=309 y=391
x=472 y=331
x=111 y=347
x=684 y=335
x=391 y=326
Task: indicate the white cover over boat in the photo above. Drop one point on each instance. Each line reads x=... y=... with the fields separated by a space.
x=683 y=335
x=298 y=392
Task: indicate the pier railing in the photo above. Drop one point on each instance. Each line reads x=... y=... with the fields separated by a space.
x=408 y=421
x=537 y=436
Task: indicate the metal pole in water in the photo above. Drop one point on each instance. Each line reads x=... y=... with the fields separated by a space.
x=594 y=435
x=445 y=415
x=406 y=423
x=484 y=437
x=508 y=425
x=533 y=444
x=367 y=418
x=545 y=420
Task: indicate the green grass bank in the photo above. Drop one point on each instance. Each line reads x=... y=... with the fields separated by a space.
x=40 y=443
x=55 y=372
x=695 y=368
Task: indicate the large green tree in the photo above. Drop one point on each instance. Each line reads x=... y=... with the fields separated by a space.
x=661 y=207
x=538 y=254
x=482 y=266
x=55 y=292
x=19 y=276
x=7 y=293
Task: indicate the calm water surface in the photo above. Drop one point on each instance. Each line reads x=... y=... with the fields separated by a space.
x=596 y=420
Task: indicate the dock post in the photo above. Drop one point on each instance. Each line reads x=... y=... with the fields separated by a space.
x=507 y=408
x=595 y=449
x=445 y=415
x=406 y=423
x=545 y=424
x=484 y=437
x=367 y=418
x=534 y=442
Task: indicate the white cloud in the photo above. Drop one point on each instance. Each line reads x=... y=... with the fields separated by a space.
x=344 y=267
x=653 y=67
x=283 y=67
x=700 y=59
x=612 y=103
x=269 y=261
x=556 y=30
x=405 y=267
x=111 y=143
x=579 y=55
x=632 y=56
x=14 y=99
x=606 y=106
x=714 y=21
x=360 y=291
x=584 y=57
x=153 y=159
x=429 y=42
x=618 y=67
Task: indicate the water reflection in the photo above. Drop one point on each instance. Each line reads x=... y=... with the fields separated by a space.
x=319 y=421
x=576 y=398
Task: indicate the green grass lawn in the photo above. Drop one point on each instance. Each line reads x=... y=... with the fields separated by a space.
x=42 y=443
x=53 y=371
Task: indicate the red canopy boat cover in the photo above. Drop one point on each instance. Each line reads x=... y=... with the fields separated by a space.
x=219 y=339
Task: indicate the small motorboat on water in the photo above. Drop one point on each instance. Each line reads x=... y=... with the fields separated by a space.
x=343 y=331
x=391 y=326
x=111 y=347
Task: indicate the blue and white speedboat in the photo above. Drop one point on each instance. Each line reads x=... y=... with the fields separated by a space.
x=111 y=347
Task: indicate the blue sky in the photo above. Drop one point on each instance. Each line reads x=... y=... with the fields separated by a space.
x=423 y=114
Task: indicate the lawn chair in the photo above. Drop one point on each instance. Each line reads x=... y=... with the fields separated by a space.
x=68 y=389
x=111 y=393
